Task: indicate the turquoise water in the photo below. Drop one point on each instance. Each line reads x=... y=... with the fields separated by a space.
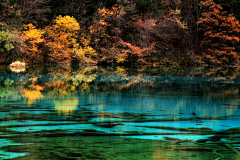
x=92 y=112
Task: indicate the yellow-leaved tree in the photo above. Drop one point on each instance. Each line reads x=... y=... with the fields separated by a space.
x=33 y=39
x=58 y=43
x=61 y=37
x=62 y=41
x=83 y=52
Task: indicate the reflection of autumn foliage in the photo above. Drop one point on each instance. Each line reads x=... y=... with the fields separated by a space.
x=59 y=87
x=64 y=70
x=66 y=106
x=33 y=92
x=120 y=71
x=82 y=80
x=134 y=80
x=230 y=95
x=220 y=34
x=66 y=82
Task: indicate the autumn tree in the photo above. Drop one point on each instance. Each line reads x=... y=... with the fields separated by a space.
x=219 y=34
x=170 y=32
x=6 y=39
x=105 y=31
x=119 y=36
x=62 y=42
x=60 y=38
x=32 y=47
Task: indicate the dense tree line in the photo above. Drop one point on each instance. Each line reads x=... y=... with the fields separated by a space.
x=120 y=32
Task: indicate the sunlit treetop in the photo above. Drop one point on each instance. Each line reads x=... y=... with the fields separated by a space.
x=32 y=33
x=66 y=23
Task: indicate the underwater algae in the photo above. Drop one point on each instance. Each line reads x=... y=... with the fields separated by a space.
x=108 y=148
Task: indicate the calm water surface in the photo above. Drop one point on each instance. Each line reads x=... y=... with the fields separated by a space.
x=59 y=112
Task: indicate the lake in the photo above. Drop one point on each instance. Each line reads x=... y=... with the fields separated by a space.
x=167 y=113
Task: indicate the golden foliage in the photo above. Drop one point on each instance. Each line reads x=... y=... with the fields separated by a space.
x=84 y=53
x=121 y=57
x=33 y=92
x=60 y=38
x=33 y=37
x=70 y=81
x=63 y=44
x=66 y=24
x=32 y=95
x=66 y=106
x=59 y=88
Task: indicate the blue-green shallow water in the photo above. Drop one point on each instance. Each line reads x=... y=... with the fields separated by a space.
x=117 y=113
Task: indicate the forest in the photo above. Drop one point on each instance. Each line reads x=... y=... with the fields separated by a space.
x=120 y=32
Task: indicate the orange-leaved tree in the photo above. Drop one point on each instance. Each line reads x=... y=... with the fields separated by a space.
x=114 y=35
x=105 y=31
x=220 y=34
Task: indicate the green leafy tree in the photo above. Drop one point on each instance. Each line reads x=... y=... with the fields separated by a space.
x=10 y=41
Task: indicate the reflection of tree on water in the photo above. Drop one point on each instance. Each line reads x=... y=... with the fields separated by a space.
x=141 y=94
x=66 y=105
x=65 y=81
x=33 y=91
x=8 y=89
x=226 y=95
x=64 y=87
